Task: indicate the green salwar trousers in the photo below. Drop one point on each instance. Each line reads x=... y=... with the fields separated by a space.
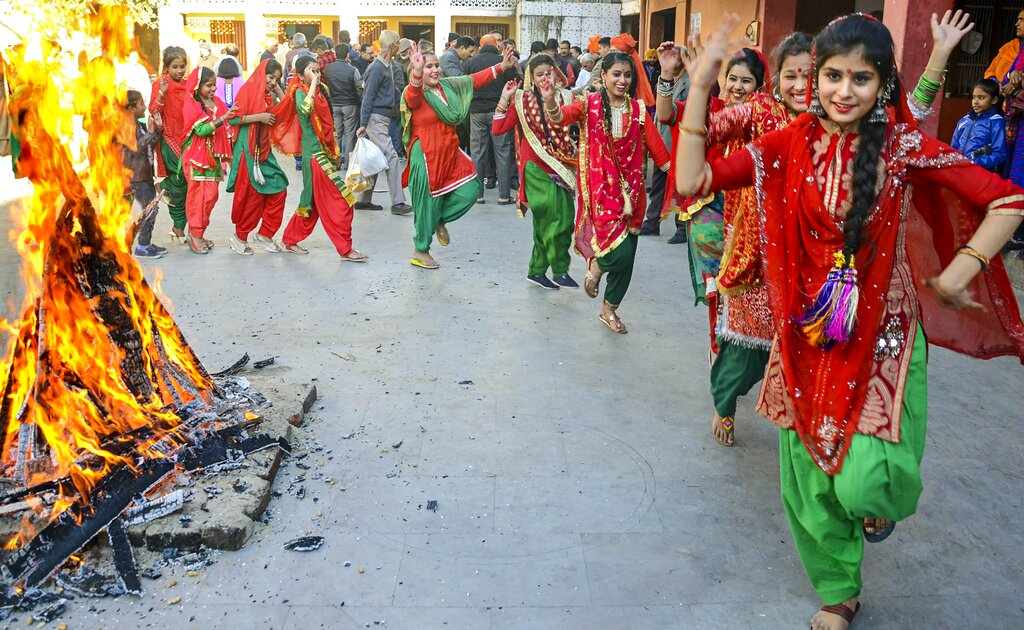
x=878 y=479
x=736 y=369
x=617 y=267
x=553 y=210
x=430 y=212
x=175 y=186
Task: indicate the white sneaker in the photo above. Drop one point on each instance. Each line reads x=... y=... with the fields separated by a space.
x=268 y=244
x=239 y=247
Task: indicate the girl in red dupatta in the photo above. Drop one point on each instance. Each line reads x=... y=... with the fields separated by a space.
x=167 y=104
x=305 y=126
x=844 y=193
x=259 y=183
x=547 y=169
x=204 y=145
x=616 y=134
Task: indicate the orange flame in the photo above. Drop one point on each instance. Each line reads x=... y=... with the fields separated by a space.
x=68 y=379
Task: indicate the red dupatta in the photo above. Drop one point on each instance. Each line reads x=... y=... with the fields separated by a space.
x=287 y=133
x=171 y=114
x=611 y=178
x=204 y=152
x=253 y=98
x=828 y=387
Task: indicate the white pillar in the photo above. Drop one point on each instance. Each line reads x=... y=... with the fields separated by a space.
x=171 y=20
x=255 y=35
x=442 y=24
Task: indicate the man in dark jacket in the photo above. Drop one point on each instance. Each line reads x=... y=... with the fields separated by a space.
x=375 y=123
x=346 y=86
x=481 y=114
x=362 y=63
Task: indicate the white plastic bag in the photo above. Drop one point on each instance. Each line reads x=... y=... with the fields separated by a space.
x=366 y=161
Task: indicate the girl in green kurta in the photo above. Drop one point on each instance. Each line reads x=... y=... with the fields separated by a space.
x=259 y=184
x=305 y=126
x=547 y=169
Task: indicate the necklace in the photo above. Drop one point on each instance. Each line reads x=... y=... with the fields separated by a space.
x=618 y=112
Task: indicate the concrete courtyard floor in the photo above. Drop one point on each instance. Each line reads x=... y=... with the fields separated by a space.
x=577 y=482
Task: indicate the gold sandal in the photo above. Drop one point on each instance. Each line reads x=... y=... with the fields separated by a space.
x=613 y=321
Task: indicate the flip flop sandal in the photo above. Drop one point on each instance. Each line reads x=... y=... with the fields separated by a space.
x=422 y=264
x=296 y=249
x=613 y=322
x=728 y=425
x=878 y=537
x=355 y=256
x=442 y=239
x=197 y=245
x=843 y=611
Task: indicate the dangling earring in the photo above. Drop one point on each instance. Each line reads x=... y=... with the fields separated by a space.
x=878 y=114
x=777 y=94
x=815 y=108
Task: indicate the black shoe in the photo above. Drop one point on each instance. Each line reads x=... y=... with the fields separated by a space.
x=366 y=205
x=678 y=237
x=401 y=209
x=650 y=230
x=490 y=183
x=542 y=281
x=566 y=282
x=480 y=200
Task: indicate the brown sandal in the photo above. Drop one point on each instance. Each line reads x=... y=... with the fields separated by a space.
x=612 y=320
x=842 y=610
x=355 y=256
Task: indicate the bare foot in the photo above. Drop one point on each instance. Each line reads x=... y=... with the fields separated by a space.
x=824 y=620
x=592 y=283
x=722 y=429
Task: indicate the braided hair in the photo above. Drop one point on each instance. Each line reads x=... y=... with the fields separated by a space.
x=869 y=37
x=535 y=62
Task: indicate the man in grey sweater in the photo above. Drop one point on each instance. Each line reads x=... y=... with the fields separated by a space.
x=375 y=121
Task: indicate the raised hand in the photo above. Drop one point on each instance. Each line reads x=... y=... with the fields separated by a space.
x=947 y=32
x=509 y=58
x=509 y=90
x=669 y=59
x=416 y=59
x=547 y=90
x=704 y=63
x=311 y=75
x=165 y=82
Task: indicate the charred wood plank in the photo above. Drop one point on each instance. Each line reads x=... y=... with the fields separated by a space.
x=235 y=368
x=45 y=553
x=124 y=557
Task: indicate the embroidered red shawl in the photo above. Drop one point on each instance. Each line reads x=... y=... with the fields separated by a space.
x=828 y=387
x=611 y=178
x=172 y=115
x=287 y=133
x=204 y=152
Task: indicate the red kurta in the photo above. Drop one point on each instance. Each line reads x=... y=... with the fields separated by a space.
x=446 y=169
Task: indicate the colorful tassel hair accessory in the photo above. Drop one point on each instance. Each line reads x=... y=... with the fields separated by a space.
x=834 y=313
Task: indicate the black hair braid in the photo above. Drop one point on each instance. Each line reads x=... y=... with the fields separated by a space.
x=543 y=118
x=606 y=107
x=865 y=181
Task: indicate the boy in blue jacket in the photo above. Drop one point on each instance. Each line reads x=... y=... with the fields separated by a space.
x=981 y=134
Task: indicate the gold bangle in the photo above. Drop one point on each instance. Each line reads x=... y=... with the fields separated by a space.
x=942 y=72
x=973 y=253
x=690 y=131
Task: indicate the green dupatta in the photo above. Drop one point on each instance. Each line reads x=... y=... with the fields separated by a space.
x=458 y=91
